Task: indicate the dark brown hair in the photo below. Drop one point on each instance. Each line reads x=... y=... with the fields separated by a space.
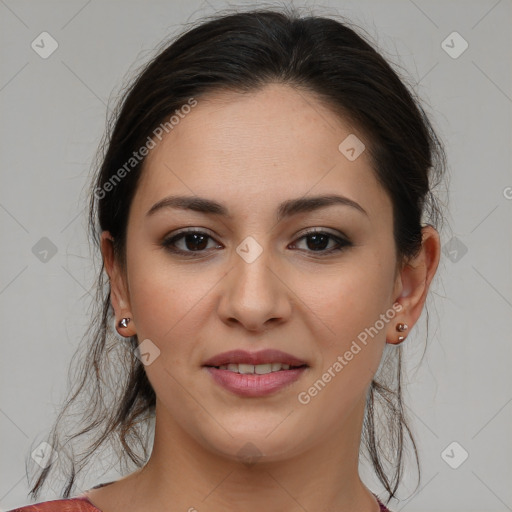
x=242 y=52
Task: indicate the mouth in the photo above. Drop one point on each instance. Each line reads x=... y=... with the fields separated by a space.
x=255 y=374
x=257 y=369
x=264 y=361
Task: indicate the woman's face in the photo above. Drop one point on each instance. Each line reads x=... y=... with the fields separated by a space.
x=253 y=280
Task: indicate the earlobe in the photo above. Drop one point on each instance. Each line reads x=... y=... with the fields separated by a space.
x=400 y=328
x=125 y=327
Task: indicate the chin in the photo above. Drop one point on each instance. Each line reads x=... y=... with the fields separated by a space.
x=251 y=444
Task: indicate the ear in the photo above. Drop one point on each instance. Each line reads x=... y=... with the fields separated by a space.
x=119 y=296
x=413 y=282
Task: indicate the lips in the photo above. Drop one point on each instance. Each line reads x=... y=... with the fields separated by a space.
x=253 y=385
x=267 y=356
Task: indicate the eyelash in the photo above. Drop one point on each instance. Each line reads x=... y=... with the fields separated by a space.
x=169 y=242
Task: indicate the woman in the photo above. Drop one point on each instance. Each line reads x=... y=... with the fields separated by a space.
x=260 y=209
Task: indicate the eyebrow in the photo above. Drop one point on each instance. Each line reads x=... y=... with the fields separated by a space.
x=286 y=209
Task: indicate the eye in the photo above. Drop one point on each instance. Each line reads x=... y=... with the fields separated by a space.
x=317 y=241
x=192 y=241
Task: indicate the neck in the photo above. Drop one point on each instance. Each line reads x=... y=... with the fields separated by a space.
x=183 y=473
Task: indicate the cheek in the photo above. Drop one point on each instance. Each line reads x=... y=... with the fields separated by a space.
x=349 y=298
x=171 y=307
x=162 y=297
x=351 y=307
x=349 y=312
x=167 y=309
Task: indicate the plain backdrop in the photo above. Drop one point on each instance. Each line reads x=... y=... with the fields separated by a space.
x=459 y=396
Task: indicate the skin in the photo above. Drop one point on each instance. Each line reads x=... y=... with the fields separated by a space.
x=251 y=152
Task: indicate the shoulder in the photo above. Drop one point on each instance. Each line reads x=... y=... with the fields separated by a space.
x=78 y=504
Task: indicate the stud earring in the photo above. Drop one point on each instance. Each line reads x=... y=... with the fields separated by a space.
x=123 y=322
x=401 y=328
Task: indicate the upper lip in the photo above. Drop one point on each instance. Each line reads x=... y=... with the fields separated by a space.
x=260 y=357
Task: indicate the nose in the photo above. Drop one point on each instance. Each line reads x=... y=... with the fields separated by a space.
x=254 y=294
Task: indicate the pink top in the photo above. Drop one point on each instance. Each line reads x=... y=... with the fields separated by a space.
x=82 y=504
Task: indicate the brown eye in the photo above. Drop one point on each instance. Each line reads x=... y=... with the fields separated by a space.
x=191 y=242
x=318 y=241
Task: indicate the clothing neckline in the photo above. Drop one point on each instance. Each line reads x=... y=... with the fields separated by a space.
x=84 y=497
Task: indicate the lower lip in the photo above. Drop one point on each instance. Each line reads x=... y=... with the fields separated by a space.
x=252 y=385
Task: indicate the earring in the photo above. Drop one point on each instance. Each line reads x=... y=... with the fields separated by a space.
x=123 y=322
x=401 y=328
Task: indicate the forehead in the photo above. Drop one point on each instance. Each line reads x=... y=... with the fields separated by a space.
x=259 y=148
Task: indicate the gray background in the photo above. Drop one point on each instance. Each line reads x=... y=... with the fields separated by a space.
x=53 y=116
